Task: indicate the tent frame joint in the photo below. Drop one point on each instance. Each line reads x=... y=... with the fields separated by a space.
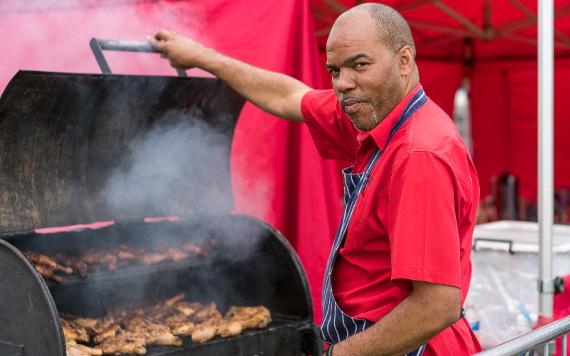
x=546 y=286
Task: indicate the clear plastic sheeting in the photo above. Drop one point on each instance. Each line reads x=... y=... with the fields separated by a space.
x=503 y=297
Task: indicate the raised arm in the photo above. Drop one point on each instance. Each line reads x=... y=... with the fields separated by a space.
x=275 y=93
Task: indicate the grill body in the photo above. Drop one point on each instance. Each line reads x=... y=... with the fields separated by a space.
x=62 y=137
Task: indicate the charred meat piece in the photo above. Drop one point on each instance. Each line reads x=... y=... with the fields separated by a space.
x=111 y=332
x=103 y=325
x=185 y=308
x=182 y=327
x=79 y=267
x=206 y=312
x=48 y=273
x=203 y=333
x=126 y=255
x=98 y=260
x=228 y=328
x=153 y=258
x=39 y=259
x=192 y=248
x=86 y=323
x=72 y=331
x=74 y=349
x=47 y=266
x=249 y=317
x=123 y=344
x=175 y=255
x=153 y=333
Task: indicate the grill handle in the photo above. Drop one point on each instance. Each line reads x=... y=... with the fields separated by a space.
x=98 y=45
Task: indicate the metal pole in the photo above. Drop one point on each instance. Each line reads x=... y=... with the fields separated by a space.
x=545 y=152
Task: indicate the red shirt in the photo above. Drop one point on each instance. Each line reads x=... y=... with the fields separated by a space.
x=415 y=218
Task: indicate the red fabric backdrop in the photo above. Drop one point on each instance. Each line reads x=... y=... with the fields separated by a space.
x=504 y=112
x=278 y=175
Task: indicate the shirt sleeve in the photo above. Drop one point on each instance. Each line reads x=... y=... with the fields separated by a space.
x=422 y=221
x=333 y=133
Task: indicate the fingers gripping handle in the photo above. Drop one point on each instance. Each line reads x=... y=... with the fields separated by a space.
x=98 y=45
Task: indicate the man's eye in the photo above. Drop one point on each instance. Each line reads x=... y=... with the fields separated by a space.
x=360 y=66
x=333 y=72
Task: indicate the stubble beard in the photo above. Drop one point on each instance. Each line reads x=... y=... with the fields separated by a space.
x=367 y=125
x=375 y=116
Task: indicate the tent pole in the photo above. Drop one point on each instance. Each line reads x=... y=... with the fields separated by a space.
x=545 y=152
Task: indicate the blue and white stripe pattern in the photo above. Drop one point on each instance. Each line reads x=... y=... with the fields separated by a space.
x=337 y=325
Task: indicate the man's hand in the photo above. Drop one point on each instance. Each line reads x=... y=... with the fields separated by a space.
x=180 y=51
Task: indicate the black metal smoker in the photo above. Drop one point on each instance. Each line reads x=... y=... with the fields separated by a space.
x=61 y=137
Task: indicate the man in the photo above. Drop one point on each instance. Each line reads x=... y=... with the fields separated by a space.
x=399 y=269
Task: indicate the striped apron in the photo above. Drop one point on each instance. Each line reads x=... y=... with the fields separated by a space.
x=337 y=325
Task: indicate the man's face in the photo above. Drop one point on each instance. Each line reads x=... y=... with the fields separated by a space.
x=365 y=72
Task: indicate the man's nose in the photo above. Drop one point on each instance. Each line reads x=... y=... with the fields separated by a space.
x=344 y=82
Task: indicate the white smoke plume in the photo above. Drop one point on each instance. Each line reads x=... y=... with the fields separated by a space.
x=178 y=167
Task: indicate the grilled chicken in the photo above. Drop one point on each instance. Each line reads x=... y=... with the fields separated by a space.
x=206 y=312
x=108 y=333
x=182 y=328
x=74 y=349
x=124 y=254
x=185 y=308
x=203 y=333
x=103 y=325
x=48 y=273
x=175 y=255
x=192 y=248
x=79 y=267
x=39 y=259
x=153 y=333
x=86 y=323
x=129 y=331
x=249 y=317
x=123 y=344
x=153 y=258
x=97 y=260
x=228 y=328
x=72 y=331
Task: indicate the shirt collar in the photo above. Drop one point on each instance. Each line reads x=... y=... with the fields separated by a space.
x=381 y=132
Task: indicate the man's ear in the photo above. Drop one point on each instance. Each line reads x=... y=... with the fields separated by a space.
x=407 y=60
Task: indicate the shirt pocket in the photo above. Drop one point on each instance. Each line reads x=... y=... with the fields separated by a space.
x=367 y=221
x=357 y=225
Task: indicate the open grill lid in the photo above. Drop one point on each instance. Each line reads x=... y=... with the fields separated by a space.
x=80 y=148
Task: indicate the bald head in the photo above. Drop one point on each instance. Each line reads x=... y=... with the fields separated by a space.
x=371 y=58
x=392 y=27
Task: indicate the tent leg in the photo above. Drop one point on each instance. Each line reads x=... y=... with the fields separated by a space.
x=545 y=152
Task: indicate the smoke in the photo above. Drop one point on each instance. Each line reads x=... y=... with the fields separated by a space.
x=178 y=167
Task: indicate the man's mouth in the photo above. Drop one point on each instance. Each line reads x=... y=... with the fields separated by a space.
x=351 y=106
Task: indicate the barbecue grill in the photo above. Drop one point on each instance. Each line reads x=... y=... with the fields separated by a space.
x=62 y=137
